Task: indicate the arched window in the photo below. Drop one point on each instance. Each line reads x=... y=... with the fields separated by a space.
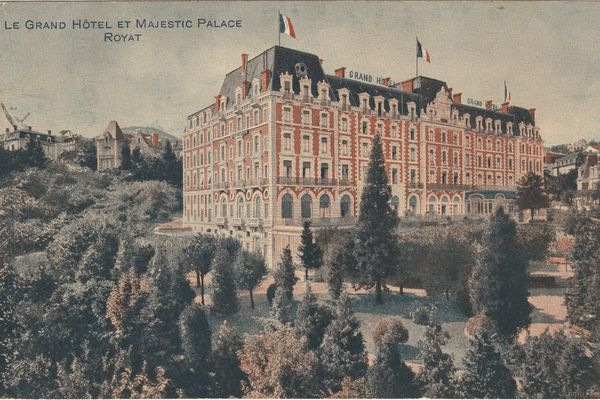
x=395 y=202
x=287 y=203
x=240 y=208
x=345 y=206
x=412 y=204
x=444 y=205
x=306 y=206
x=223 y=207
x=324 y=203
x=257 y=207
x=431 y=205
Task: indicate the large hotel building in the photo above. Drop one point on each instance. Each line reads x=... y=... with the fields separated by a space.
x=284 y=142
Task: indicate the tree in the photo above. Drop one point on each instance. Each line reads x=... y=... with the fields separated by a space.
x=394 y=327
x=531 y=194
x=278 y=364
x=310 y=252
x=389 y=376
x=312 y=319
x=342 y=350
x=195 y=335
x=285 y=279
x=554 y=366
x=250 y=270
x=126 y=163
x=228 y=375
x=535 y=240
x=173 y=168
x=437 y=378
x=583 y=288
x=224 y=291
x=34 y=155
x=339 y=260
x=9 y=294
x=498 y=284
x=125 y=303
x=376 y=248
x=87 y=155
x=198 y=255
x=485 y=375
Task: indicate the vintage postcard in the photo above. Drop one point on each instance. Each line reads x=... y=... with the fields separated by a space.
x=299 y=199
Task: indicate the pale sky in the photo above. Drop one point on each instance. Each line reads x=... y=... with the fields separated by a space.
x=71 y=79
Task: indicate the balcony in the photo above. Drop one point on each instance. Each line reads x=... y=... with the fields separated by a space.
x=414 y=185
x=318 y=222
x=324 y=102
x=345 y=107
x=345 y=182
x=237 y=221
x=294 y=180
x=493 y=188
x=254 y=222
x=288 y=95
x=221 y=185
x=447 y=186
x=221 y=221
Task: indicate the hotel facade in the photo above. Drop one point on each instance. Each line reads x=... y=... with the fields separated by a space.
x=284 y=143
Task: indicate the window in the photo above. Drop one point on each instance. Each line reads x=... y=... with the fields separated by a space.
x=365 y=149
x=379 y=128
x=306 y=169
x=305 y=117
x=287 y=114
x=412 y=134
x=324 y=171
x=444 y=137
x=431 y=157
x=256 y=144
x=413 y=154
x=345 y=147
x=444 y=158
x=223 y=207
x=305 y=143
x=324 y=120
x=394 y=176
x=394 y=152
x=413 y=176
x=345 y=206
x=394 y=131
x=365 y=126
x=287 y=139
x=240 y=207
x=324 y=147
x=324 y=201
x=287 y=168
x=345 y=172
x=306 y=206
x=287 y=203
x=344 y=124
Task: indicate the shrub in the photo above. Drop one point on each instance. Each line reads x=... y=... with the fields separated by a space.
x=392 y=325
x=271 y=293
x=421 y=315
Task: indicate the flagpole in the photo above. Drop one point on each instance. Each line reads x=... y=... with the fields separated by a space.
x=278 y=27
x=417 y=58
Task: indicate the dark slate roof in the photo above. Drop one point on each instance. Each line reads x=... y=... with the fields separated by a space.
x=25 y=133
x=281 y=60
x=356 y=87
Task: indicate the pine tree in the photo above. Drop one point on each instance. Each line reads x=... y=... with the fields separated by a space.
x=389 y=376
x=498 y=284
x=485 y=375
x=284 y=279
x=250 y=270
x=198 y=255
x=376 y=251
x=531 y=194
x=309 y=251
x=224 y=291
x=34 y=154
x=195 y=336
x=438 y=377
x=343 y=350
x=228 y=375
x=339 y=260
x=312 y=319
x=126 y=163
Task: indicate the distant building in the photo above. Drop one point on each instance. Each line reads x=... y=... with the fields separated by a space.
x=588 y=177
x=579 y=145
x=565 y=164
x=550 y=157
x=110 y=143
x=52 y=145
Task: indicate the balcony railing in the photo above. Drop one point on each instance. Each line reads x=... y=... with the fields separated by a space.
x=237 y=221
x=221 y=221
x=493 y=188
x=447 y=186
x=288 y=95
x=415 y=185
x=295 y=180
x=221 y=185
x=318 y=222
x=254 y=222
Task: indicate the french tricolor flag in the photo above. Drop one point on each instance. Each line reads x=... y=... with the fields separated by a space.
x=285 y=26
x=421 y=52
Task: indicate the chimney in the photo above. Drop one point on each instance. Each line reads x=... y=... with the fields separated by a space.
x=386 y=81
x=340 y=72
x=265 y=77
x=218 y=102
x=532 y=113
x=7 y=130
x=457 y=98
x=505 y=107
x=407 y=86
x=154 y=138
x=49 y=132
x=321 y=61
x=29 y=128
x=488 y=104
x=244 y=64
